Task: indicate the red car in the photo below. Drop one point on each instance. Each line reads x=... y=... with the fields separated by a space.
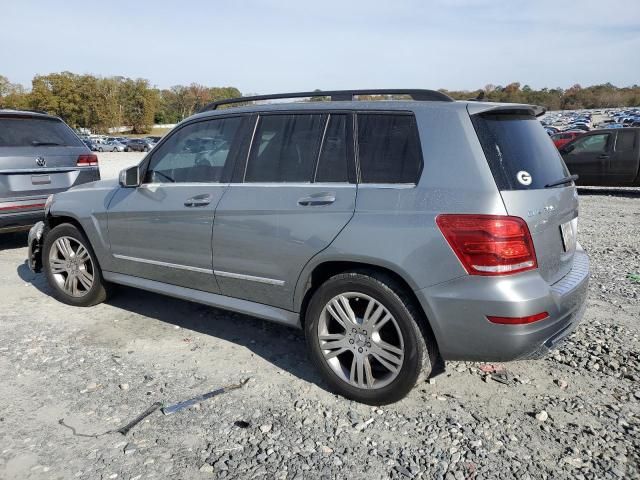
x=560 y=139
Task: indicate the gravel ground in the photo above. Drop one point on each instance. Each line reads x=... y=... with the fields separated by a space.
x=574 y=414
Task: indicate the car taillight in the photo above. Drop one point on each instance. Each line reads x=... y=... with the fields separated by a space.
x=89 y=160
x=489 y=244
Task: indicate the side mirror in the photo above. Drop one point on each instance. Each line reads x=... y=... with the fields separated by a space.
x=130 y=177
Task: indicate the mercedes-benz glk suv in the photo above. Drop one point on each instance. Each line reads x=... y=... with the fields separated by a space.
x=398 y=233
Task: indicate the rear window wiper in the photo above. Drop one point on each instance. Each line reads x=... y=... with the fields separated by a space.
x=562 y=181
x=35 y=143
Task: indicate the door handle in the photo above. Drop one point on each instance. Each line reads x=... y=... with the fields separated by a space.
x=317 y=199
x=603 y=156
x=198 y=201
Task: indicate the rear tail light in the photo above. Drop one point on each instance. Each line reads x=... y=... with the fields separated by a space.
x=89 y=160
x=518 y=320
x=489 y=244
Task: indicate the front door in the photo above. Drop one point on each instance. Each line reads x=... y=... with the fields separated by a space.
x=589 y=157
x=296 y=193
x=162 y=229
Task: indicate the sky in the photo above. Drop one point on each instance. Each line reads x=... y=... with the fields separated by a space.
x=274 y=46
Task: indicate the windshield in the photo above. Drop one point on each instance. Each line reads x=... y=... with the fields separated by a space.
x=519 y=151
x=35 y=132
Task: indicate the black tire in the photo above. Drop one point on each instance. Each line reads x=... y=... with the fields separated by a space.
x=420 y=351
x=99 y=290
x=100 y=149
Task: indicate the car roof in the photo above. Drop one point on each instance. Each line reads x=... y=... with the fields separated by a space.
x=9 y=112
x=473 y=107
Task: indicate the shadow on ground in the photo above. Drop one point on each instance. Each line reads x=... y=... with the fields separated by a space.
x=12 y=240
x=282 y=346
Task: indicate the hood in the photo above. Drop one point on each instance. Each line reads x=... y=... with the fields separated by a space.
x=97 y=185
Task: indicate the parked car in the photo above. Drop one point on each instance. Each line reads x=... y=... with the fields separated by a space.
x=90 y=145
x=39 y=155
x=111 y=146
x=607 y=157
x=560 y=139
x=138 y=145
x=454 y=250
x=153 y=139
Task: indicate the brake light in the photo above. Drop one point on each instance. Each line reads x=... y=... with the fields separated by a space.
x=518 y=320
x=489 y=244
x=89 y=160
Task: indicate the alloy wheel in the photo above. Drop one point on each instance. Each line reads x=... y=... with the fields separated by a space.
x=71 y=266
x=360 y=340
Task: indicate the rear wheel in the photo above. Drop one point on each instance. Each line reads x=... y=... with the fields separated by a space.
x=71 y=267
x=364 y=336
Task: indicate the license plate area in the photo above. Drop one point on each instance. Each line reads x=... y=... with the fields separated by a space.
x=568 y=236
x=40 y=179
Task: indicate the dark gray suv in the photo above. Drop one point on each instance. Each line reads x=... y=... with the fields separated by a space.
x=398 y=234
x=39 y=155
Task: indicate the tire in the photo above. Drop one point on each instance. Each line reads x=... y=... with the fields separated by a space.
x=403 y=331
x=145 y=149
x=56 y=267
x=101 y=149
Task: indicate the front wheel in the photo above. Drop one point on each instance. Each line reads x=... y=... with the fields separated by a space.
x=71 y=267
x=365 y=337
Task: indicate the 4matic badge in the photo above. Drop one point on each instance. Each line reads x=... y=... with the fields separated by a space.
x=524 y=177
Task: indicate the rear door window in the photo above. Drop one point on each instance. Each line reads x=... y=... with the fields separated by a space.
x=520 y=153
x=285 y=148
x=625 y=141
x=388 y=148
x=335 y=160
x=36 y=132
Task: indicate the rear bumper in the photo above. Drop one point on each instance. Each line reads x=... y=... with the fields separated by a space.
x=457 y=311
x=16 y=221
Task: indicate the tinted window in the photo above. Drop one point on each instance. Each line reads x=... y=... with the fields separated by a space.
x=514 y=143
x=35 y=132
x=626 y=141
x=334 y=154
x=591 y=144
x=388 y=148
x=195 y=153
x=285 y=148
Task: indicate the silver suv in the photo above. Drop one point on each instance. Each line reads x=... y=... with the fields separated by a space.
x=398 y=234
x=39 y=155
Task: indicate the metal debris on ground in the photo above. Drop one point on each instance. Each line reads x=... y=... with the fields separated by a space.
x=123 y=430
x=195 y=400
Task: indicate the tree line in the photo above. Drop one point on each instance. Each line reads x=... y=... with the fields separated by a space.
x=573 y=98
x=101 y=103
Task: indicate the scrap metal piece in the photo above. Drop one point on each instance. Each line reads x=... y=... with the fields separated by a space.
x=125 y=429
x=193 y=401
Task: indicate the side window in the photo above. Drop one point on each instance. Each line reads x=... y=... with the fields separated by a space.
x=285 y=148
x=195 y=153
x=333 y=163
x=591 y=144
x=626 y=141
x=388 y=148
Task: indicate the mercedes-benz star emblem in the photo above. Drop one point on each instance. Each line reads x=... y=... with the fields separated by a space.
x=41 y=162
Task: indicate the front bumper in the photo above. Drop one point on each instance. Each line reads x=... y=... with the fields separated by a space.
x=458 y=311
x=34 y=251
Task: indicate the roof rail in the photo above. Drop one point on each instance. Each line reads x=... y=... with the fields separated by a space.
x=336 y=96
x=25 y=110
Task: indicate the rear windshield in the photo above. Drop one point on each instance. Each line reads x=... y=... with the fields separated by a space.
x=519 y=151
x=35 y=132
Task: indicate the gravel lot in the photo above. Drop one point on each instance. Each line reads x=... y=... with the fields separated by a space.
x=574 y=414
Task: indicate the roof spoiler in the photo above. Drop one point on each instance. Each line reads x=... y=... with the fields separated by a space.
x=476 y=108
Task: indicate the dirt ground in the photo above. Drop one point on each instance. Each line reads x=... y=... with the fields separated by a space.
x=574 y=414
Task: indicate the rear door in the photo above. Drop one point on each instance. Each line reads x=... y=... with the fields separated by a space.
x=38 y=156
x=588 y=156
x=162 y=229
x=623 y=161
x=295 y=194
x=523 y=161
